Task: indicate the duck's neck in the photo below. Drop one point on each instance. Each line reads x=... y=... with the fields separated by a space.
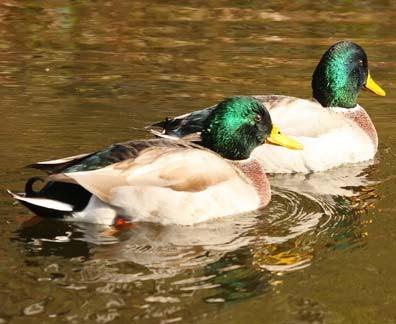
x=256 y=173
x=332 y=87
x=335 y=98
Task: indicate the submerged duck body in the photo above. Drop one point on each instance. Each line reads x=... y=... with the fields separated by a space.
x=163 y=181
x=332 y=127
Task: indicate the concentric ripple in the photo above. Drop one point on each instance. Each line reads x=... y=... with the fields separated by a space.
x=310 y=212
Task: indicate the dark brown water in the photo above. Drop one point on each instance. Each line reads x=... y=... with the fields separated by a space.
x=78 y=75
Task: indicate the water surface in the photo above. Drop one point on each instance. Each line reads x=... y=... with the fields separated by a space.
x=78 y=75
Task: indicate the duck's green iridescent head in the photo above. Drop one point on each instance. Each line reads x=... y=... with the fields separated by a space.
x=238 y=125
x=341 y=74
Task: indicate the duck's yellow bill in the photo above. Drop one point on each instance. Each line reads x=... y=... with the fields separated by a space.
x=277 y=138
x=372 y=86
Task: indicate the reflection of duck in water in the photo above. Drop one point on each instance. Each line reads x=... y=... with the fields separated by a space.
x=334 y=129
x=166 y=251
x=158 y=251
x=341 y=181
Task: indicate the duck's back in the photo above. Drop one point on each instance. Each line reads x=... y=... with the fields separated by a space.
x=171 y=185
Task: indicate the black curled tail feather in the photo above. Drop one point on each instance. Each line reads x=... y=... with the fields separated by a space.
x=30 y=192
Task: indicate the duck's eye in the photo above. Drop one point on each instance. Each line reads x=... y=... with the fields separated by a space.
x=360 y=63
x=258 y=118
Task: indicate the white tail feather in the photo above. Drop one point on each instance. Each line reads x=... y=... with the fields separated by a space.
x=43 y=202
x=64 y=160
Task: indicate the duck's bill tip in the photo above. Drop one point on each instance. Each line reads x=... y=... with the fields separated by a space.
x=277 y=138
x=373 y=86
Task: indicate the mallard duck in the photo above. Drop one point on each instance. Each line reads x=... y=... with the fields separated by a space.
x=333 y=128
x=165 y=181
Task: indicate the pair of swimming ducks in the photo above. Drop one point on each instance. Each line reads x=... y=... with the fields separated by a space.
x=213 y=162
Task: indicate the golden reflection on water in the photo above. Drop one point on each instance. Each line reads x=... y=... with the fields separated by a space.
x=346 y=225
